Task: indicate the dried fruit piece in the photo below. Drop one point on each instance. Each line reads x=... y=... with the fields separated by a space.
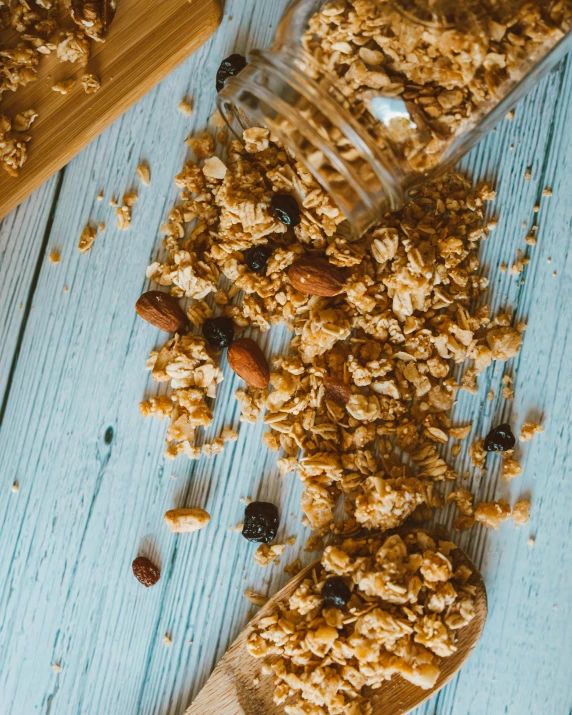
x=256 y=258
x=336 y=593
x=260 y=522
x=316 y=276
x=185 y=521
x=229 y=67
x=219 y=331
x=145 y=571
x=287 y=209
x=162 y=310
x=248 y=361
x=93 y=16
x=500 y=439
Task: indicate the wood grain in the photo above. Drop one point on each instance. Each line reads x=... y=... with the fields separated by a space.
x=238 y=687
x=72 y=366
x=148 y=39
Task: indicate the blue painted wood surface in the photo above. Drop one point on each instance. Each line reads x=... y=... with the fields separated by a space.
x=71 y=368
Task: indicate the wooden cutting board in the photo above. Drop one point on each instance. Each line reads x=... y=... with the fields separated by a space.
x=147 y=40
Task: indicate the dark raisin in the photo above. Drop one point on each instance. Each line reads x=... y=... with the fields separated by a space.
x=500 y=439
x=335 y=593
x=260 y=522
x=229 y=67
x=219 y=331
x=145 y=571
x=286 y=208
x=257 y=257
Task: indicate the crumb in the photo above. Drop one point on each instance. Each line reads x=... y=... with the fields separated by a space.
x=549 y=260
x=507 y=393
x=239 y=526
x=536 y=208
x=511 y=469
x=254 y=597
x=56 y=667
x=510 y=115
x=531 y=542
x=527 y=175
x=15 y=487
x=547 y=192
x=521 y=512
x=186 y=108
x=113 y=202
x=54 y=257
x=511 y=147
x=246 y=500
x=100 y=195
x=100 y=227
x=266 y=554
x=554 y=273
x=64 y=87
x=531 y=239
x=191 y=642
x=217 y=119
x=492 y=224
x=491 y=395
x=66 y=289
x=528 y=430
x=314 y=543
x=167 y=640
x=291 y=540
x=86 y=239
x=503 y=267
x=144 y=173
x=524 y=224
x=293 y=568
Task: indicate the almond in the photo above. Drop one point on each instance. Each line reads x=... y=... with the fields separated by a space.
x=185 y=521
x=336 y=390
x=161 y=310
x=248 y=361
x=316 y=276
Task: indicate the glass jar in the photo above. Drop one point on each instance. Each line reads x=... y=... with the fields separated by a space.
x=375 y=96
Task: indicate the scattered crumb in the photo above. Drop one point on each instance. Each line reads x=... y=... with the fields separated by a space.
x=54 y=257
x=554 y=273
x=191 y=642
x=64 y=87
x=549 y=260
x=527 y=175
x=528 y=430
x=239 y=526
x=86 y=239
x=510 y=115
x=521 y=512
x=291 y=540
x=113 y=202
x=492 y=514
x=90 y=83
x=144 y=173
x=477 y=454
x=167 y=640
x=524 y=224
x=511 y=469
x=293 y=568
x=507 y=393
x=217 y=119
x=531 y=542
x=511 y=147
x=491 y=395
x=246 y=500
x=21 y=306
x=256 y=680
x=536 y=208
x=257 y=598
x=66 y=289
x=100 y=195
x=314 y=543
x=266 y=554
x=531 y=239
x=56 y=667
x=547 y=191
x=503 y=267
x=305 y=521
x=100 y=227
x=186 y=108
x=15 y=487
x=492 y=224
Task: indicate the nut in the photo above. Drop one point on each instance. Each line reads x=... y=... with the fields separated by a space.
x=145 y=571
x=336 y=390
x=162 y=311
x=184 y=521
x=316 y=276
x=248 y=361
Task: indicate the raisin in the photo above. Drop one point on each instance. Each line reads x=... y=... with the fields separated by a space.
x=335 y=593
x=286 y=208
x=229 y=67
x=260 y=522
x=257 y=257
x=145 y=571
x=219 y=331
x=500 y=439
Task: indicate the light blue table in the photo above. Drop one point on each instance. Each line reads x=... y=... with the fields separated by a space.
x=71 y=372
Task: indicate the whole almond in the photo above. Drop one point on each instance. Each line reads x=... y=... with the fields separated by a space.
x=336 y=390
x=316 y=276
x=248 y=361
x=184 y=521
x=161 y=310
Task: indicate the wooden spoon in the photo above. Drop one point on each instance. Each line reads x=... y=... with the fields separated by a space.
x=231 y=689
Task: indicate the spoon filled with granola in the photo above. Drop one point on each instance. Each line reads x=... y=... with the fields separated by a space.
x=375 y=627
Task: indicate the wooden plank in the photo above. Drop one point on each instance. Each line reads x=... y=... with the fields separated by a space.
x=146 y=42
x=86 y=507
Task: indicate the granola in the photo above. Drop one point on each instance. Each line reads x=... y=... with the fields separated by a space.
x=410 y=596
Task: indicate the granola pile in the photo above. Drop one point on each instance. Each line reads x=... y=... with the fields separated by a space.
x=440 y=79
x=360 y=405
x=30 y=29
x=410 y=596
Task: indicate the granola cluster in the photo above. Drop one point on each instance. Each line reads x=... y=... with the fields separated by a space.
x=415 y=82
x=36 y=30
x=360 y=404
x=410 y=596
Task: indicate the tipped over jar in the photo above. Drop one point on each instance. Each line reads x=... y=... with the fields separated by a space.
x=376 y=96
